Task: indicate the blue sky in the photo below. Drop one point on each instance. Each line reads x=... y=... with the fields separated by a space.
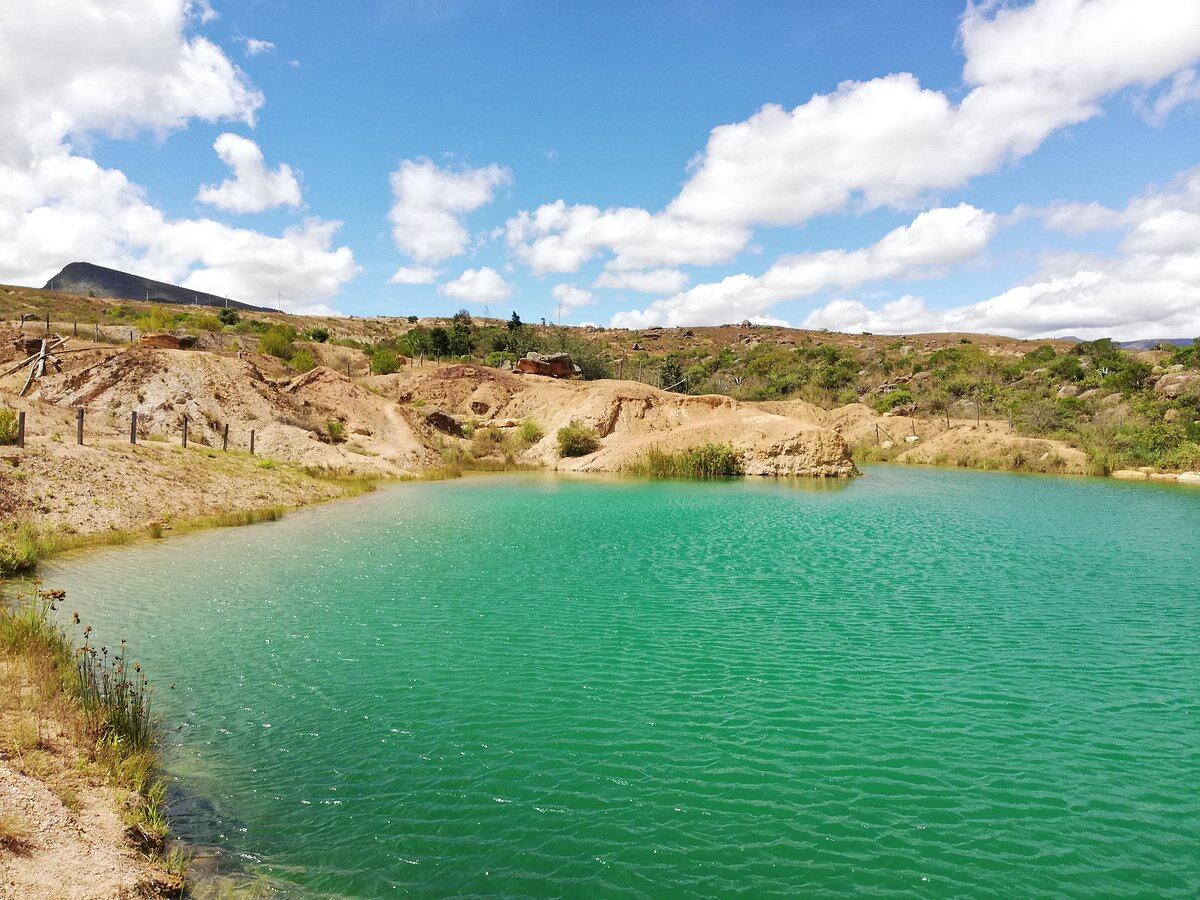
x=512 y=105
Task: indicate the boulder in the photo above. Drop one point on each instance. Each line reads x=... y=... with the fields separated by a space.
x=1174 y=384
x=557 y=365
x=443 y=422
x=1189 y=478
x=1067 y=390
x=1130 y=475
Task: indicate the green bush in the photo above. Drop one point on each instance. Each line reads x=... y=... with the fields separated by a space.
x=318 y=335
x=20 y=550
x=384 y=362
x=336 y=431
x=531 y=432
x=302 y=361
x=8 y=427
x=890 y=401
x=228 y=316
x=277 y=341
x=498 y=358
x=577 y=440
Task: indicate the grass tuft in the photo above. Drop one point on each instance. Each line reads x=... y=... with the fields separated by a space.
x=704 y=462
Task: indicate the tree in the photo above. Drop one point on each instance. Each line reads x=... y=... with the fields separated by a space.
x=670 y=376
x=228 y=316
x=514 y=324
x=440 y=339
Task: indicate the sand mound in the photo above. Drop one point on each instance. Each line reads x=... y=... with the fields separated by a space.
x=291 y=418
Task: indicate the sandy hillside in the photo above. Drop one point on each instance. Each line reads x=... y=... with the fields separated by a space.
x=963 y=442
x=629 y=417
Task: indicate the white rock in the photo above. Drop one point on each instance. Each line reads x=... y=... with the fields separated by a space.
x=911 y=439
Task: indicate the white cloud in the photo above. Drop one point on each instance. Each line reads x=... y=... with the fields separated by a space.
x=120 y=67
x=1151 y=289
x=254 y=187
x=414 y=275
x=429 y=204
x=645 y=281
x=255 y=46
x=1033 y=70
x=571 y=298
x=477 y=285
x=560 y=238
x=934 y=239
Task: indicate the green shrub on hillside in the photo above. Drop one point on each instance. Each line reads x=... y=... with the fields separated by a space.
x=531 y=432
x=8 y=427
x=228 y=316
x=577 y=440
x=384 y=362
x=888 y=402
x=277 y=341
x=302 y=361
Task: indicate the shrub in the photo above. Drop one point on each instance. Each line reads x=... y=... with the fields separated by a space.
x=531 y=432
x=703 y=462
x=890 y=401
x=228 y=316
x=498 y=358
x=335 y=430
x=577 y=440
x=277 y=341
x=384 y=362
x=19 y=550
x=319 y=335
x=302 y=361
x=8 y=427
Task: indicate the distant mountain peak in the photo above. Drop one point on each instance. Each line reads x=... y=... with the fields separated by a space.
x=98 y=281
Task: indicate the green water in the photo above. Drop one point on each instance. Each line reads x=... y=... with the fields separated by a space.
x=927 y=682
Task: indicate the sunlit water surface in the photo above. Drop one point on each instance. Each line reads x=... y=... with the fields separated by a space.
x=924 y=681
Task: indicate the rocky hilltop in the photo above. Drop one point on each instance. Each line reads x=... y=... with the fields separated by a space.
x=89 y=279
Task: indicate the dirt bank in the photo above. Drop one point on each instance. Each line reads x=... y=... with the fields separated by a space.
x=629 y=417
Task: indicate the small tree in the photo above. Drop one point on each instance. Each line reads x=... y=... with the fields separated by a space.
x=228 y=316
x=303 y=361
x=514 y=323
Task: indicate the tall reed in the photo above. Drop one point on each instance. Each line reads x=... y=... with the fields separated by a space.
x=704 y=462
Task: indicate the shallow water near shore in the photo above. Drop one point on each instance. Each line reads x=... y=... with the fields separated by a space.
x=921 y=681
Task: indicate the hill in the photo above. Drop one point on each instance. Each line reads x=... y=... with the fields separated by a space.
x=92 y=280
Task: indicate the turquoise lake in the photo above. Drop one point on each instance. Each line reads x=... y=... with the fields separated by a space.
x=928 y=682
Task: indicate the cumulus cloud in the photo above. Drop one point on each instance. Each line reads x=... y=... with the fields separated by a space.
x=256 y=46
x=560 y=238
x=254 y=187
x=1151 y=289
x=644 y=281
x=121 y=67
x=429 y=204
x=414 y=275
x=933 y=240
x=480 y=285
x=571 y=298
x=1029 y=70
x=1032 y=69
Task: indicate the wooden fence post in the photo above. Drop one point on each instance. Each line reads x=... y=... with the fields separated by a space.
x=97 y=331
x=225 y=437
x=251 y=441
x=21 y=428
x=185 y=432
x=79 y=426
x=133 y=427
x=47 y=323
x=74 y=329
